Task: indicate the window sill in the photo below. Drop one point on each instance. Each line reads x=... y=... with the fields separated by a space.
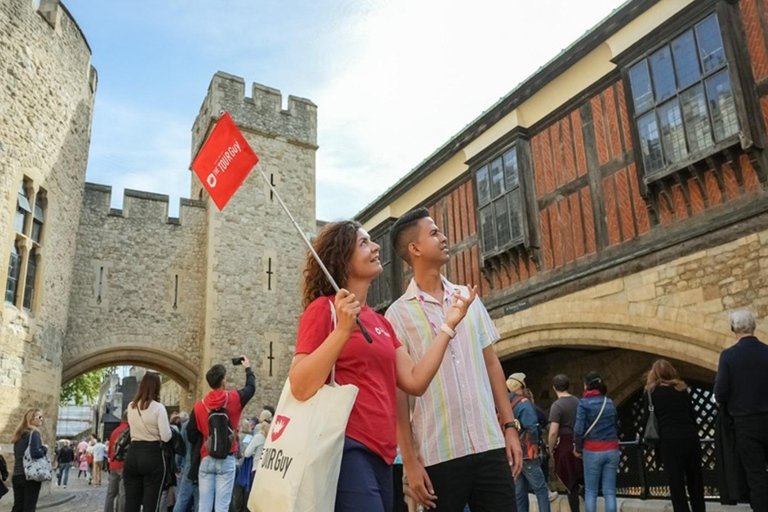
x=693 y=159
x=24 y=313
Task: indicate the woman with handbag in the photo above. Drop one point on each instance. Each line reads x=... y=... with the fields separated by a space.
x=596 y=440
x=669 y=408
x=146 y=466
x=329 y=340
x=27 y=438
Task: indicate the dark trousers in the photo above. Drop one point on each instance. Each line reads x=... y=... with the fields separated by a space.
x=365 y=480
x=484 y=481
x=682 y=464
x=752 y=444
x=25 y=493
x=143 y=476
x=397 y=480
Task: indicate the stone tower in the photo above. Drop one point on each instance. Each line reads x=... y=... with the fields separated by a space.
x=254 y=256
x=48 y=87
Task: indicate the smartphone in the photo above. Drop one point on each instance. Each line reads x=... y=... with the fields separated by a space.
x=237 y=361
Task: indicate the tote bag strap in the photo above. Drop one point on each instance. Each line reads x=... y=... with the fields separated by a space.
x=650 y=400
x=605 y=400
x=333 y=319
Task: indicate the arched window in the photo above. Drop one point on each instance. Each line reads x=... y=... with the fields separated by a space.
x=26 y=251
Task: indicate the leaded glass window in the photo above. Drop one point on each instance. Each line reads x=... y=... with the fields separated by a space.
x=500 y=202
x=683 y=98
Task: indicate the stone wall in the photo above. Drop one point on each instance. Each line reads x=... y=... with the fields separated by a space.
x=138 y=292
x=48 y=89
x=248 y=308
x=678 y=310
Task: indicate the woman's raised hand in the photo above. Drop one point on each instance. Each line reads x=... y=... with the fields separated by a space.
x=459 y=307
x=347 y=309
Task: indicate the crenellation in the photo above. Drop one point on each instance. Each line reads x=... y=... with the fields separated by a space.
x=261 y=113
x=146 y=206
x=267 y=99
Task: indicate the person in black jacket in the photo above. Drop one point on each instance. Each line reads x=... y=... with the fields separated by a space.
x=3 y=475
x=742 y=378
x=679 y=444
x=65 y=457
x=26 y=492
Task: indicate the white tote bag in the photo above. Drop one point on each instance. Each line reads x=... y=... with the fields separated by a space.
x=301 y=459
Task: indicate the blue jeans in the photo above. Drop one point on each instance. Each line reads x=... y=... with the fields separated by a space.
x=187 y=495
x=531 y=479
x=64 y=470
x=215 y=483
x=600 y=470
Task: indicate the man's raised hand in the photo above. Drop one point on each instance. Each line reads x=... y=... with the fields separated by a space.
x=460 y=306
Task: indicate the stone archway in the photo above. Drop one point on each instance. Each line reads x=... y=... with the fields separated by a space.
x=178 y=369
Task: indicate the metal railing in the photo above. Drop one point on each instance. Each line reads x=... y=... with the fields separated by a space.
x=641 y=473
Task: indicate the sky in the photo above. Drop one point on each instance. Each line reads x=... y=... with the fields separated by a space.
x=393 y=79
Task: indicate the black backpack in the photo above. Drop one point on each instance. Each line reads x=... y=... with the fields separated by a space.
x=220 y=433
x=122 y=443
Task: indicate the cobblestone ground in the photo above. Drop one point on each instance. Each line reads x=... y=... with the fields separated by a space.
x=82 y=497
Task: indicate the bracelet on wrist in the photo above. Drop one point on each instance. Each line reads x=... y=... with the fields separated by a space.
x=447 y=330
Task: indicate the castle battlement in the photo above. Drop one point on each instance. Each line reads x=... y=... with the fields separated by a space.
x=261 y=112
x=137 y=204
x=64 y=25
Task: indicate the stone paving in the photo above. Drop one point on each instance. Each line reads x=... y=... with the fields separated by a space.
x=78 y=496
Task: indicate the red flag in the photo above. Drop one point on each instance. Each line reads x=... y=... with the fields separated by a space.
x=224 y=161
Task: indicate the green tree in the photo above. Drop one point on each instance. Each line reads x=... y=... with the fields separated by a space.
x=84 y=388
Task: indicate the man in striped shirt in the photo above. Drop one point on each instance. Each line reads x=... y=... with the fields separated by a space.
x=453 y=439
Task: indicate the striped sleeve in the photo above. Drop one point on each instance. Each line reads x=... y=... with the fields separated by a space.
x=486 y=330
x=393 y=317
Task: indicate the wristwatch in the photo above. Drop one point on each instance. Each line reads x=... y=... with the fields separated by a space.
x=510 y=424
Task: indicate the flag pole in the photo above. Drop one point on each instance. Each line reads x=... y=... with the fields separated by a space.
x=312 y=250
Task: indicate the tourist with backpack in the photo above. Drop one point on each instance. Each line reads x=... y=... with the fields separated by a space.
x=532 y=478
x=212 y=420
x=118 y=441
x=145 y=466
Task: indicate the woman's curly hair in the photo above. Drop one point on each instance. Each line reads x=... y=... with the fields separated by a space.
x=335 y=245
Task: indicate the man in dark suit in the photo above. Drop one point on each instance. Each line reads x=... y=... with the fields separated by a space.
x=741 y=384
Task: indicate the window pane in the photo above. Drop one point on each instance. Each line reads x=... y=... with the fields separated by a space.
x=686 y=59
x=672 y=132
x=483 y=188
x=21 y=218
x=510 y=169
x=497 y=178
x=39 y=214
x=37 y=228
x=13 y=275
x=23 y=200
x=29 y=288
x=486 y=224
x=502 y=221
x=515 y=214
x=722 y=106
x=696 y=118
x=650 y=143
x=710 y=44
x=641 y=87
x=663 y=74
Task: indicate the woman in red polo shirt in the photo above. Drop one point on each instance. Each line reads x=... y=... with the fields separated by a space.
x=365 y=480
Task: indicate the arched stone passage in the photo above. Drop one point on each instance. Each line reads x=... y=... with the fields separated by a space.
x=167 y=363
x=604 y=335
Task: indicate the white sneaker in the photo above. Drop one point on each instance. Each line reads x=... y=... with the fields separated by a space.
x=552 y=495
x=65 y=486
